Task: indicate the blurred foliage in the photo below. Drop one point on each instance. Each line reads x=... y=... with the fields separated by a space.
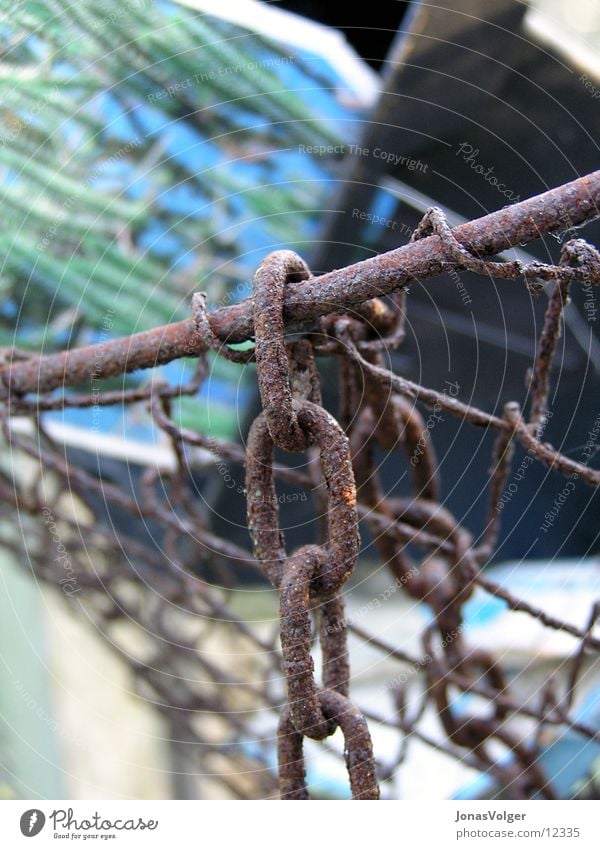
x=146 y=151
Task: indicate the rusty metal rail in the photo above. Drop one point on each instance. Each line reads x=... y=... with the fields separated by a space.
x=294 y=319
x=559 y=209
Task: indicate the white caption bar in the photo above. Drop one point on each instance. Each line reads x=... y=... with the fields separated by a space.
x=38 y=823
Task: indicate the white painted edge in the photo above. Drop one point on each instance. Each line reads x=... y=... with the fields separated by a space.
x=302 y=33
x=563 y=42
x=152 y=455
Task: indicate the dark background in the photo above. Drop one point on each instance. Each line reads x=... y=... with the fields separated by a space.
x=473 y=73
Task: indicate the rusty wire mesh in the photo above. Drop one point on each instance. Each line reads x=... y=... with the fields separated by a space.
x=173 y=589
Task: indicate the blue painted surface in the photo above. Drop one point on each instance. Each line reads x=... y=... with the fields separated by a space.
x=255 y=235
x=570 y=758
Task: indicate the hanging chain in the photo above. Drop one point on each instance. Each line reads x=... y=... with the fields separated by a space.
x=431 y=555
x=311 y=578
x=374 y=415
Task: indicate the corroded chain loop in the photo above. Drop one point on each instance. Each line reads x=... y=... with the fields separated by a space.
x=358 y=750
x=270 y=349
x=430 y=554
x=298 y=665
x=312 y=571
x=290 y=755
x=476 y=732
x=293 y=419
x=338 y=556
x=314 y=712
x=399 y=424
x=381 y=413
x=333 y=636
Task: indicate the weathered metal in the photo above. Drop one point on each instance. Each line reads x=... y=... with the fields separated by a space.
x=561 y=208
x=429 y=553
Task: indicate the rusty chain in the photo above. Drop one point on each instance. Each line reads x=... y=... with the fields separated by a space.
x=378 y=411
x=445 y=579
x=313 y=573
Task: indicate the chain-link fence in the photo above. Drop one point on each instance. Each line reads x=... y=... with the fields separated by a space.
x=233 y=691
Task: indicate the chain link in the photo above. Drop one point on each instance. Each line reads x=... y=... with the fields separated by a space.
x=313 y=575
x=428 y=551
x=372 y=417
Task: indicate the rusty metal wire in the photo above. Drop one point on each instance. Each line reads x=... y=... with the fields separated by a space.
x=173 y=586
